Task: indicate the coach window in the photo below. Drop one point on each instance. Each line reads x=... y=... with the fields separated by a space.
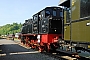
x=47 y=13
x=54 y=13
x=68 y=16
x=84 y=8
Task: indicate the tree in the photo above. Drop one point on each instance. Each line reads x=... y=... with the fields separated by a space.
x=10 y=28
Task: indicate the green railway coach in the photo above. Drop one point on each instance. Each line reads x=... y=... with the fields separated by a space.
x=77 y=21
x=76 y=15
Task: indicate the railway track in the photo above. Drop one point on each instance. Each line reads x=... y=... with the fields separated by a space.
x=59 y=55
x=64 y=56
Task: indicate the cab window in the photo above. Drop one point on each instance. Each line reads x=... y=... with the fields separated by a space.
x=47 y=13
x=54 y=13
x=61 y=14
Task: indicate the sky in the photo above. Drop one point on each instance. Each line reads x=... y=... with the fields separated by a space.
x=17 y=11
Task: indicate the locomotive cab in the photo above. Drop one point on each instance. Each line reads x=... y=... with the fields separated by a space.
x=50 y=21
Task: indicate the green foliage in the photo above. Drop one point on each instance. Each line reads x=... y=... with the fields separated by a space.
x=10 y=28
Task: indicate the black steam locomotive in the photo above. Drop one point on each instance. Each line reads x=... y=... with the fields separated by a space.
x=44 y=29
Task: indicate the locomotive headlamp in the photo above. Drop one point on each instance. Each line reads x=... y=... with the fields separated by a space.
x=55 y=30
